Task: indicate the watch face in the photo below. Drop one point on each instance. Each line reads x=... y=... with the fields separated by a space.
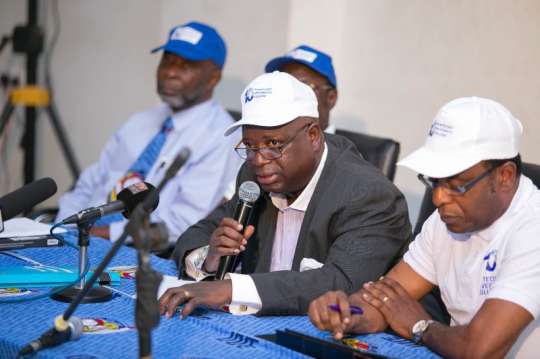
x=420 y=326
x=418 y=330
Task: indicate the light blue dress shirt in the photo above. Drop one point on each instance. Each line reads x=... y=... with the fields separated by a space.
x=195 y=190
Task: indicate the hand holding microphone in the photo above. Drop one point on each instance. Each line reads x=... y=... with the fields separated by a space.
x=231 y=237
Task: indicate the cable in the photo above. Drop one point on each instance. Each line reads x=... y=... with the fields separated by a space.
x=55 y=290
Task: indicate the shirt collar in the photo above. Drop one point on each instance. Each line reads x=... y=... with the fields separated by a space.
x=331 y=129
x=522 y=193
x=183 y=119
x=301 y=203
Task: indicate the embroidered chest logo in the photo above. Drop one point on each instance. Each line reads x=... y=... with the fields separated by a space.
x=489 y=277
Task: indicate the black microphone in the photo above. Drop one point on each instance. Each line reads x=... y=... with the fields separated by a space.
x=248 y=193
x=128 y=199
x=26 y=197
x=71 y=330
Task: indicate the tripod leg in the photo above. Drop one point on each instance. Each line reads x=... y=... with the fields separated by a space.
x=64 y=141
x=6 y=114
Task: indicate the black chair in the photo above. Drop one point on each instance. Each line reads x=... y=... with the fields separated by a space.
x=426 y=208
x=236 y=115
x=380 y=152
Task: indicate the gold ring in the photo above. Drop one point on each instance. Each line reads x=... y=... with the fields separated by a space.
x=385 y=299
x=187 y=294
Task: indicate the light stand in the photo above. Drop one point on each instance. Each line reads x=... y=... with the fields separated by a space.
x=28 y=40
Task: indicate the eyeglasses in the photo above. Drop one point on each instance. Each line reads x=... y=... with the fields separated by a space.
x=269 y=152
x=317 y=88
x=455 y=190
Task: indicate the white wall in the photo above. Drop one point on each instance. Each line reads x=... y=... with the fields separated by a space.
x=397 y=62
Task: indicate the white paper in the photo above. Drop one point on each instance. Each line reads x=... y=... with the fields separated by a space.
x=25 y=227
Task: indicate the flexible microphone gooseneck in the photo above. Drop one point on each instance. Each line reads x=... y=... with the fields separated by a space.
x=248 y=193
x=128 y=199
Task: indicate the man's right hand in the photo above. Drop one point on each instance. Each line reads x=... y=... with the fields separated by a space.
x=341 y=321
x=228 y=239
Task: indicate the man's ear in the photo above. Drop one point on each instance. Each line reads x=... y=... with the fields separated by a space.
x=215 y=77
x=316 y=136
x=331 y=98
x=507 y=176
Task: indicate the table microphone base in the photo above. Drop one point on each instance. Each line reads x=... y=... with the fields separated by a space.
x=94 y=295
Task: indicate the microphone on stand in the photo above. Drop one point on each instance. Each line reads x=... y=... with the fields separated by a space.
x=25 y=198
x=61 y=333
x=248 y=193
x=128 y=199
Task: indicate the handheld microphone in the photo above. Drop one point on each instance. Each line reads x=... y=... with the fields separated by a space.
x=248 y=193
x=55 y=336
x=128 y=199
x=26 y=197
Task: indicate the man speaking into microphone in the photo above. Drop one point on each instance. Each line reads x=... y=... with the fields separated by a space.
x=325 y=220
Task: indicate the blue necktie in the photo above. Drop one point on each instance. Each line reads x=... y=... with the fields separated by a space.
x=143 y=164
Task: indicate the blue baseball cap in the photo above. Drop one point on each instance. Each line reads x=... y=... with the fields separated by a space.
x=197 y=42
x=316 y=60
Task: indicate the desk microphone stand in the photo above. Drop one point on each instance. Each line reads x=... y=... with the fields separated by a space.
x=94 y=294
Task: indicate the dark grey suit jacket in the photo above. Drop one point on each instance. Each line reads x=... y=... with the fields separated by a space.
x=356 y=224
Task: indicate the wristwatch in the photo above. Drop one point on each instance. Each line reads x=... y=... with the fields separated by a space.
x=419 y=329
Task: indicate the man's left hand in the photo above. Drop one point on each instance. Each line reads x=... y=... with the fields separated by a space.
x=214 y=294
x=396 y=305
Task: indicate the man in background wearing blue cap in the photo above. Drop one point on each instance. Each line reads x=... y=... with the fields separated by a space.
x=144 y=147
x=315 y=69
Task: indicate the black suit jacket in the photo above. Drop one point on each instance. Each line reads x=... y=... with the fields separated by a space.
x=356 y=224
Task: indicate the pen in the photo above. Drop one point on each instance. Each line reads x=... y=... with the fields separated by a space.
x=354 y=309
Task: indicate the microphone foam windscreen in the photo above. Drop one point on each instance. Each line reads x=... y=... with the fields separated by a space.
x=131 y=196
x=26 y=197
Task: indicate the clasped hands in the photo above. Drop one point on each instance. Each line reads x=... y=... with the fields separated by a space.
x=227 y=239
x=384 y=302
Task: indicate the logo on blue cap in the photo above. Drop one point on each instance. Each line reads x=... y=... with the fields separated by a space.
x=197 y=42
x=316 y=60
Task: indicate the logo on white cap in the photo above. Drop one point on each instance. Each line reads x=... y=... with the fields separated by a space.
x=301 y=54
x=440 y=129
x=187 y=34
x=252 y=93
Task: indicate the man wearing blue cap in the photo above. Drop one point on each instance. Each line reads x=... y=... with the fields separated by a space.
x=144 y=147
x=315 y=69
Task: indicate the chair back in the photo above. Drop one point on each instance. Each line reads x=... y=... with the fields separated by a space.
x=380 y=152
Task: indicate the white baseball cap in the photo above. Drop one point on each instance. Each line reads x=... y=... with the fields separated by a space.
x=465 y=132
x=275 y=99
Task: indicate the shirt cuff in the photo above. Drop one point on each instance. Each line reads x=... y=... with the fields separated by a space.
x=245 y=297
x=194 y=263
x=116 y=229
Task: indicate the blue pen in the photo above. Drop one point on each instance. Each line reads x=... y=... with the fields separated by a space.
x=354 y=309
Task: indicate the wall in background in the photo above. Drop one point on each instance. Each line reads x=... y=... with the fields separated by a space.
x=396 y=62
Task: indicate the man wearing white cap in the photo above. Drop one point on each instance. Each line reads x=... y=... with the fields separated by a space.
x=326 y=219
x=481 y=247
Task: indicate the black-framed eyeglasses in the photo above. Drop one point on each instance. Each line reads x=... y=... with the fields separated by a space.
x=268 y=152
x=454 y=189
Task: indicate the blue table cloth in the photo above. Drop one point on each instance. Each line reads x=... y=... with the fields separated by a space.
x=205 y=334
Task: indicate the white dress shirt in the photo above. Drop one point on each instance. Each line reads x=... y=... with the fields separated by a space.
x=192 y=193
